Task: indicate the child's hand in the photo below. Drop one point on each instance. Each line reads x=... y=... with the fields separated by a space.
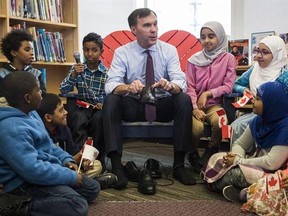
x=72 y=166
x=229 y=159
x=98 y=106
x=284 y=177
x=199 y=114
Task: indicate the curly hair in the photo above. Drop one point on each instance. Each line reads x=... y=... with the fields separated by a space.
x=94 y=37
x=12 y=42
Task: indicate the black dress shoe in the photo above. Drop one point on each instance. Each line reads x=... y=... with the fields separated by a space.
x=146 y=184
x=131 y=171
x=154 y=167
x=147 y=96
x=193 y=158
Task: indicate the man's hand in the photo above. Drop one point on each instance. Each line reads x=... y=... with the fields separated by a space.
x=135 y=87
x=165 y=85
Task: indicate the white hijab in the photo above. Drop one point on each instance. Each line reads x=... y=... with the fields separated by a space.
x=203 y=57
x=272 y=71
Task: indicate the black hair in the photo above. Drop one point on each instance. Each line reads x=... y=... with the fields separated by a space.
x=16 y=84
x=139 y=13
x=48 y=104
x=93 y=37
x=12 y=42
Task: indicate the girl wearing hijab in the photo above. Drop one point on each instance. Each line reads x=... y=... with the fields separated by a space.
x=270 y=65
x=210 y=74
x=262 y=148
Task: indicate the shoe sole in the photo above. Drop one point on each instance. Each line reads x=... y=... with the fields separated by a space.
x=232 y=193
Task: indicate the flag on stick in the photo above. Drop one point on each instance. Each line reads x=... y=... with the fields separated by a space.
x=243 y=100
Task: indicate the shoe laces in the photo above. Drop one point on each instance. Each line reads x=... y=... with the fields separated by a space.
x=166 y=172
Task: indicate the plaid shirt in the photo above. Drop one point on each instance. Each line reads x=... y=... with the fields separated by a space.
x=91 y=89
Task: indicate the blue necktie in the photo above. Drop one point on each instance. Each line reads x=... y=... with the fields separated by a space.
x=150 y=111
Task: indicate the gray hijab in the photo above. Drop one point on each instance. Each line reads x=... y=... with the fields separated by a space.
x=203 y=57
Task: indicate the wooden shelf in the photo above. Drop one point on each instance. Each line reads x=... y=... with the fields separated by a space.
x=56 y=71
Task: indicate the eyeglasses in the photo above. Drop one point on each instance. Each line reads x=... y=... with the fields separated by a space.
x=262 y=52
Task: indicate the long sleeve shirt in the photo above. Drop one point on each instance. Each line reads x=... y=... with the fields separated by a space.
x=218 y=77
x=90 y=84
x=129 y=64
x=268 y=159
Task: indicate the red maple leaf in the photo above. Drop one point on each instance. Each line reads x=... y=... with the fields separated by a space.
x=243 y=100
x=222 y=120
x=272 y=182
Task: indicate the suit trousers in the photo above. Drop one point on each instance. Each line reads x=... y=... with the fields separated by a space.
x=125 y=108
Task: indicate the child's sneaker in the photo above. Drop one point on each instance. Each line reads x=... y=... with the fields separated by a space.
x=232 y=193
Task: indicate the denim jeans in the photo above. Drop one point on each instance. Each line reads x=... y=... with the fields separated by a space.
x=60 y=199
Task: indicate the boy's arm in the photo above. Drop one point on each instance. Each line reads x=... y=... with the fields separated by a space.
x=67 y=85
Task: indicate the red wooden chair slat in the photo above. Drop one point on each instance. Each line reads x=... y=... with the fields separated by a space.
x=167 y=35
x=178 y=38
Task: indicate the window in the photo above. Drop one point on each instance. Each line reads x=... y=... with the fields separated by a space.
x=189 y=15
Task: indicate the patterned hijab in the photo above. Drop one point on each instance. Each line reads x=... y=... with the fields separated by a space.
x=203 y=57
x=260 y=75
x=271 y=128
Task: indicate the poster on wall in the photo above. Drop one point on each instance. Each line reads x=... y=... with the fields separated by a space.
x=240 y=49
x=256 y=37
x=284 y=36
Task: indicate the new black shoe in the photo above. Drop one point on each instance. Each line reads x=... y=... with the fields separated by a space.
x=154 y=167
x=146 y=184
x=232 y=193
x=193 y=158
x=131 y=171
x=107 y=180
x=207 y=154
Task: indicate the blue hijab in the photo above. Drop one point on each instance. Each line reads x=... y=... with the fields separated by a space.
x=271 y=128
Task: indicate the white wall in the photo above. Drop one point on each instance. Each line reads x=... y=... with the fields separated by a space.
x=106 y=16
x=257 y=16
x=103 y=16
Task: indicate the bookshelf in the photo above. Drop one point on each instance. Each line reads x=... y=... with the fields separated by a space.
x=56 y=71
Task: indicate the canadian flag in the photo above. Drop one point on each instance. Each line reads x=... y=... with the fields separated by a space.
x=273 y=181
x=226 y=131
x=82 y=104
x=243 y=100
x=222 y=118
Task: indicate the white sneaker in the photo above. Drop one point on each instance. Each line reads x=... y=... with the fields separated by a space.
x=232 y=193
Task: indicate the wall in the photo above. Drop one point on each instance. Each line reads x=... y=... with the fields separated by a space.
x=257 y=16
x=105 y=16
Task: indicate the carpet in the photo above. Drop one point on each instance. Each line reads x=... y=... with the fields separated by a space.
x=166 y=208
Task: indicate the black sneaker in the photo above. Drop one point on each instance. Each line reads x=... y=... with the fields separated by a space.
x=232 y=193
x=154 y=167
x=107 y=180
x=193 y=158
x=207 y=154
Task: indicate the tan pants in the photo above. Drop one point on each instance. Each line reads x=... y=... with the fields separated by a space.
x=96 y=171
x=213 y=120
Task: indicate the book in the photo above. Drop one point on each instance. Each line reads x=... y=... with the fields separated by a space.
x=240 y=49
x=284 y=36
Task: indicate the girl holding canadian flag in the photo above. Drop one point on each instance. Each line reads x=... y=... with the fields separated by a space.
x=258 y=153
x=210 y=74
